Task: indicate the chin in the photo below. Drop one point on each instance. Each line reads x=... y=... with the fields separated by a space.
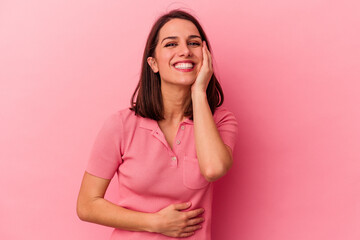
x=184 y=81
x=187 y=82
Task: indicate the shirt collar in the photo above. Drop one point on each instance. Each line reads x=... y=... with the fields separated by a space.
x=152 y=124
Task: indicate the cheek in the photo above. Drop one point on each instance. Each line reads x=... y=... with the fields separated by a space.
x=165 y=61
x=200 y=64
x=200 y=56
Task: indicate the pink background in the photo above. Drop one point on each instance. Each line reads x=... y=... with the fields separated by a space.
x=290 y=73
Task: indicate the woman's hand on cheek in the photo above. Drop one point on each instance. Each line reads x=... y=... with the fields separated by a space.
x=205 y=73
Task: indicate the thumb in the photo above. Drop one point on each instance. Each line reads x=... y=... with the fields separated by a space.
x=181 y=206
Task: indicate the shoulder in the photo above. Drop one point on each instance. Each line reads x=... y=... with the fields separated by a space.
x=117 y=117
x=222 y=114
x=122 y=114
x=125 y=118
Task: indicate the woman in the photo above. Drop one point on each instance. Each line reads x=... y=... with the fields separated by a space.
x=168 y=147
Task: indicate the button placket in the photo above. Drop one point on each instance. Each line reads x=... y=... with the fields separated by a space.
x=172 y=152
x=178 y=135
x=178 y=141
x=174 y=161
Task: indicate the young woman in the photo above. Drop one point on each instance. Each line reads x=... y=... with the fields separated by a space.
x=168 y=147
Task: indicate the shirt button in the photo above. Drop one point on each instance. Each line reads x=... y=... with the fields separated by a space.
x=173 y=158
x=178 y=142
x=182 y=127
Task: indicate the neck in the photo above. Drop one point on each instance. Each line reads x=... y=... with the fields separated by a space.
x=175 y=100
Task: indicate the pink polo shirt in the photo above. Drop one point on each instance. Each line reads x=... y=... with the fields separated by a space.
x=151 y=175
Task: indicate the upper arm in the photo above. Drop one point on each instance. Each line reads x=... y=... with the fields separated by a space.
x=227 y=126
x=229 y=149
x=230 y=154
x=92 y=188
x=105 y=156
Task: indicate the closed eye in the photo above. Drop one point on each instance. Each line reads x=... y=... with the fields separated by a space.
x=170 y=44
x=191 y=43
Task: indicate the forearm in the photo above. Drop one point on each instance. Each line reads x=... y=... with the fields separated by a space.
x=213 y=156
x=104 y=212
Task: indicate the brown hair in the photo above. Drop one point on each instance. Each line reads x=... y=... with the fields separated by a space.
x=149 y=102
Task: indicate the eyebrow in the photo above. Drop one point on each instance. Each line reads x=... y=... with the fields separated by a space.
x=175 y=37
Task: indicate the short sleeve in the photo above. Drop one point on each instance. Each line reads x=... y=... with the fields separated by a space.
x=227 y=126
x=105 y=156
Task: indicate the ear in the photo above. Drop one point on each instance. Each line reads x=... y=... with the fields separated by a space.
x=152 y=63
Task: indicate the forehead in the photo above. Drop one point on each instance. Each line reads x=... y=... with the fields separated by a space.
x=178 y=27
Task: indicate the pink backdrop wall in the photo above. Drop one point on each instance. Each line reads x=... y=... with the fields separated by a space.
x=290 y=73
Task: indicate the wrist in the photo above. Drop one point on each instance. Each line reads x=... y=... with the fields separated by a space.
x=152 y=220
x=198 y=93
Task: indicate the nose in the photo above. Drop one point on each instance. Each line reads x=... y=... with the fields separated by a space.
x=184 y=50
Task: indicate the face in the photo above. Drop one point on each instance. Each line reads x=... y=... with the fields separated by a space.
x=179 y=40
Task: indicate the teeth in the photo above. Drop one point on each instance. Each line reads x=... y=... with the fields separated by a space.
x=184 y=65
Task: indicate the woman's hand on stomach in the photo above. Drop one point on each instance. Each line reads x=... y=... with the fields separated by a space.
x=171 y=221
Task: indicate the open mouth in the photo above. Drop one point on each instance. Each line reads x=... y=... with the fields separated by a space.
x=184 y=67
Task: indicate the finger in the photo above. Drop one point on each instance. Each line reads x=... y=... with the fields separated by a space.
x=194 y=213
x=195 y=221
x=181 y=206
x=208 y=55
x=191 y=228
x=183 y=235
x=205 y=56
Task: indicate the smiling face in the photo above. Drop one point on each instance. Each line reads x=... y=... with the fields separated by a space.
x=179 y=40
